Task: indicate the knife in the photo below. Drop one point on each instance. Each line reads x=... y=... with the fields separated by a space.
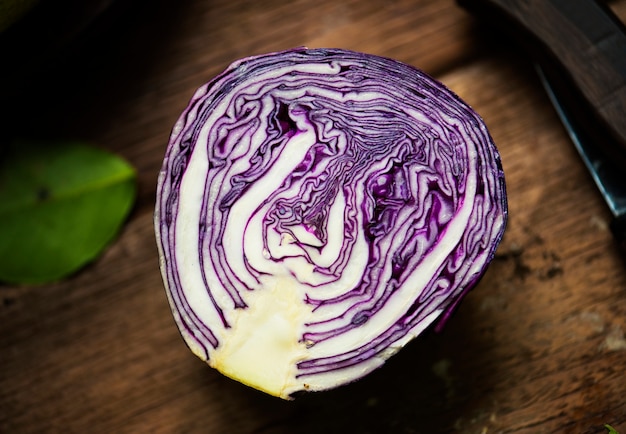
x=579 y=49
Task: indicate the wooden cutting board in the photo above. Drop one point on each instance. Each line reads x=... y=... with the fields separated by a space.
x=538 y=347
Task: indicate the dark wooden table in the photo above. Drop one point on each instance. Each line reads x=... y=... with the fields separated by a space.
x=537 y=347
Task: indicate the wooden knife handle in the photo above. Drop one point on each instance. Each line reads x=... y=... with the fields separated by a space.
x=584 y=39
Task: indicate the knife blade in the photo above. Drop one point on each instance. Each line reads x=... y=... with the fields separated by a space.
x=579 y=49
x=608 y=177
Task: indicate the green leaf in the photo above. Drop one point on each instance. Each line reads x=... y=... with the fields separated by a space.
x=11 y=11
x=60 y=205
x=611 y=429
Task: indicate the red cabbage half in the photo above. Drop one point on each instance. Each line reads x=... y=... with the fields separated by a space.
x=317 y=210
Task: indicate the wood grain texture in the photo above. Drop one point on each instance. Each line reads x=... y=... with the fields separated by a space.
x=537 y=347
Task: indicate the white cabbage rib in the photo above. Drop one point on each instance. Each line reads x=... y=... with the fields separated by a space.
x=317 y=210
